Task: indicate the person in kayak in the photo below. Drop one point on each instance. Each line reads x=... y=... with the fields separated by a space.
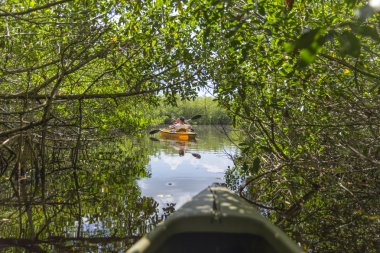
x=180 y=124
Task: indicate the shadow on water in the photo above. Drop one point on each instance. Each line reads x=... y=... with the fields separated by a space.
x=87 y=196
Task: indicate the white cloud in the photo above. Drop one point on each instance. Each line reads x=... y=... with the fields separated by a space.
x=213 y=168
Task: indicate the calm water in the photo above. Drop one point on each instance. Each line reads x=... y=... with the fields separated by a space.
x=177 y=172
x=110 y=196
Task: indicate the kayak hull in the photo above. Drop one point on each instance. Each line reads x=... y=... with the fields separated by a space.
x=173 y=135
x=216 y=220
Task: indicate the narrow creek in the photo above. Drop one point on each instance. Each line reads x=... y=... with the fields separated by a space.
x=181 y=169
x=114 y=192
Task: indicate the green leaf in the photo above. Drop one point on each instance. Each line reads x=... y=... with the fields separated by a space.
x=245 y=167
x=350 y=44
x=255 y=166
x=307 y=56
x=350 y=3
x=370 y=32
x=308 y=44
x=312 y=40
x=159 y=3
x=289 y=47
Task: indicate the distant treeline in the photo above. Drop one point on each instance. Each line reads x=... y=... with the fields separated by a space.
x=211 y=113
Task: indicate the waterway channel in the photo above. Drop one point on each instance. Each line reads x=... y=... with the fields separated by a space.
x=181 y=169
x=101 y=196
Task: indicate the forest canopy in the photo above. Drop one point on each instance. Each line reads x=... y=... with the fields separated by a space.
x=301 y=79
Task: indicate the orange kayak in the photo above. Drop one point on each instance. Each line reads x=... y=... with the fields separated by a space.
x=184 y=135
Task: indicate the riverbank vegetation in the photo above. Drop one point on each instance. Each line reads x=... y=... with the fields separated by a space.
x=207 y=107
x=299 y=78
x=302 y=81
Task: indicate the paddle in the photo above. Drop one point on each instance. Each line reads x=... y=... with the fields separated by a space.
x=195 y=117
x=196 y=155
x=192 y=118
x=154 y=131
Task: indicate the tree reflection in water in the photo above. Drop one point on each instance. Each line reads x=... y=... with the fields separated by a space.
x=84 y=197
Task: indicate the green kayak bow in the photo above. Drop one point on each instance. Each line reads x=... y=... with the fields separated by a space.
x=216 y=220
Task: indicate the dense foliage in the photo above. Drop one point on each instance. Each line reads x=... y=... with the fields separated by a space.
x=72 y=74
x=300 y=78
x=303 y=83
x=207 y=107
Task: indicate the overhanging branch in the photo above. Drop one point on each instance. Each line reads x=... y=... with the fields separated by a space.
x=79 y=96
x=5 y=13
x=346 y=64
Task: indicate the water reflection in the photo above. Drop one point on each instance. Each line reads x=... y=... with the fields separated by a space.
x=86 y=197
x=181 y=169
x=90 y=203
